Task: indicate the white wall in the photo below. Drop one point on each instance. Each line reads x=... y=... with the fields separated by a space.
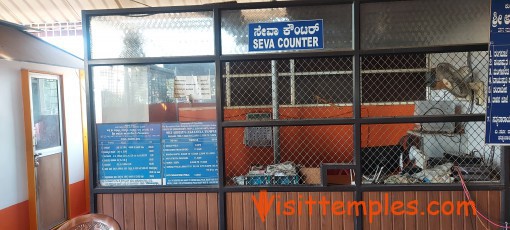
x=13 y=173
x=73 y=127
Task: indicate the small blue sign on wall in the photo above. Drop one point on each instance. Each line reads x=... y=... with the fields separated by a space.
x=292 y=35
x=498 y=110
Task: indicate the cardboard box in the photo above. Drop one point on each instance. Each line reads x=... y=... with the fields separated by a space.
x=340 y=177
x=334 y=177
x=311 y=175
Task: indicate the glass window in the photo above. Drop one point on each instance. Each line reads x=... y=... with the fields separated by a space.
x=152 y=35
x=46 y=112
x=156 y=124
x=401 y=24
x=337 y=22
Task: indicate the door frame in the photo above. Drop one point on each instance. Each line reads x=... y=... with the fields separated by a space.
x=83 y=102
x=29 y=147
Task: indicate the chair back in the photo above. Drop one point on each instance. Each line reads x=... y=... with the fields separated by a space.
x=91 y=222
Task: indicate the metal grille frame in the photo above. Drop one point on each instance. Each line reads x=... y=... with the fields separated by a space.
x=356 y=121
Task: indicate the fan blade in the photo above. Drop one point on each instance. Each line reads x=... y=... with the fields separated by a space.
x=444 y=70
x=447 y=84
x=464 y=72
x=453 y=79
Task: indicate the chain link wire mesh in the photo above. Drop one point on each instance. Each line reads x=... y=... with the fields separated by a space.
x=409 y=154
x=396 y=85
x=301 y=151
x=441 y=84
x=424 y=84
x=307 y=88
x=393 y=80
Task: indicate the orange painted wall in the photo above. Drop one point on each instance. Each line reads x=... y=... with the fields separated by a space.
x=15 y=217
x=327 y=143
x=299 y=144
x=77 y=200
x=385 y=134
x=197 y=114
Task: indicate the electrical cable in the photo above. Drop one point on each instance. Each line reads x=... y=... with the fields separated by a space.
x=460 y=142
x=141 y=3
x=493 y=151
x=76 y=12
x=442 y=134
x=472 y=79
x=140 y=15
x=481 y=156
x=468 y=197
x=478 y=213
x=440 y=129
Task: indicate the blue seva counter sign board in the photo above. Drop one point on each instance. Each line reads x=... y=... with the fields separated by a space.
x=292 y=35
x=157 y=154
x=498 y=110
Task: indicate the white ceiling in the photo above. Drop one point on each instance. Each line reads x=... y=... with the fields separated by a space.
x=28 y=12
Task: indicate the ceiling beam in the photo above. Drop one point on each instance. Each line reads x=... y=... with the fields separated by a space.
x=106 y=6
x=70 y=7
x=140 y=3
x=60 y=11
x=45 y=10
x=10 y=13
x=39 y=18
x=21 y=14
x=94 y=7
x=119 y=5
x=77 y=5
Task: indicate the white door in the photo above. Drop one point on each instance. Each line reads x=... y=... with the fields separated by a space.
x=47 y=149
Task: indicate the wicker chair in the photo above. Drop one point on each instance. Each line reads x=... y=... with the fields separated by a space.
x=91 y=222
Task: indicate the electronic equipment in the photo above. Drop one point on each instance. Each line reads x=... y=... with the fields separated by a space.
x=472 y=167
x=381 y=156
x=435 y=144
x=258 y=136
x=463 y=159
x=422 y=108
x=478 y=173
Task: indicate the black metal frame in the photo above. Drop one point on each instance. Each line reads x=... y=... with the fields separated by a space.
x=356 y=121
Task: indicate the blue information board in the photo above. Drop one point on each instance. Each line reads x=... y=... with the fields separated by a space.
x=498 y=110
x=157 y=154
x=293 y=35
x=129 y=154
x=190 y=153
